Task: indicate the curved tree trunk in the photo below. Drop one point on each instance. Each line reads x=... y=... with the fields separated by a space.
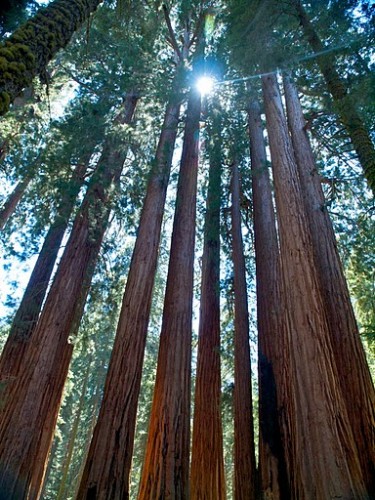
x=108 y=464
x=355 y=377
x=30 y=415
x=166 y=467
x=207 y=462
x=321 y=452
x=14 y=198
x=244 y=448
x=345 y=107
x=28 y=51
x=273 y=478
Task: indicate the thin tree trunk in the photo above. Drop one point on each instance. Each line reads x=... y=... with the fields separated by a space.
x=14 y=198
x=108 y=465
x=166 y=467
x=27 y=52
x=321 y=451
x=207 y=463
x=273 y=480
x=30 y=415
x=244 y=448
x=344 y=104
x=24 y=322
x=354 y=375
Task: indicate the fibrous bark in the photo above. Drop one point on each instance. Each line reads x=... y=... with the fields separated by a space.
x=207 y=464
x=27 y=52
x=320 y=448
x=31 y=412
x=354 y=374
x=11 y=203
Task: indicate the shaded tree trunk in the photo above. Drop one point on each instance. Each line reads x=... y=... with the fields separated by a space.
x=244 y=449
x=14 y=198
x=166 y=467
x=108 y=465
x=30 y=415
x=27 y=52
x=344 y=104
x=273 y=480
x=320 y=448
x=207 y=462
x=28 y=312
x=354 y=375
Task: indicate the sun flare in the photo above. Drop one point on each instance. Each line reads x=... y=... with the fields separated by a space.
x=205 y=85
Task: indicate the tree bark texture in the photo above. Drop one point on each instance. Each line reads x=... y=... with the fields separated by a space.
x=30 y=416
x=320 y=448
x=207 y=479
x=14 y=352
x=244 y=448
x=273 y=480
x=10 y=205
x=354 y=374
x=108 y=465
x=166 y=467
x=344 y=104
x=27 y=52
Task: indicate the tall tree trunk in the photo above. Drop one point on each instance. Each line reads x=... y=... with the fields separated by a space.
x=207 y=463
x=14 y=198
x=166 y=467
x=27 y=52
x=354 y=375
x=321 y=451
x=273 y=480
x=344 y=104
x=107 y=469
x=244 y=448
x=24 y=322
x=30 y=416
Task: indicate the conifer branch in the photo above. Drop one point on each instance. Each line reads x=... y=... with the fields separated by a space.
x=172 y=37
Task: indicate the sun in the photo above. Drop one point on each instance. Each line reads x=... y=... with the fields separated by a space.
x=205 y=85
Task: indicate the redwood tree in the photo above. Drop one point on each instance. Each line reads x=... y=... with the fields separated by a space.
x=31 y=411
x=320 y=447
x=14 y=198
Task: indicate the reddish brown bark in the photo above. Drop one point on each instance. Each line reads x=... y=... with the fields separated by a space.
x=244 y=449
x=10 y=205
x=30 y=415
x=207 y=464
x=108 y=464
x=14 y=351
x=273 y=481
x=166 y=467
x=354 y=375
x=320 y=448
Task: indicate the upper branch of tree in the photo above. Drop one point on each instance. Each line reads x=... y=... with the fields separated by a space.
x=171 y=33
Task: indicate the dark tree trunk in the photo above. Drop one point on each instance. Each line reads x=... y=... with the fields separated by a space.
x=30 y=415
x=273 y=481
x=107 y=470
x=14 y=198
x=345 y=107
x=15 y=348
x=321 y=452
x=166 y=468
x=355 y=377
x=207 y=463
x=28 y=51
x=244 y=448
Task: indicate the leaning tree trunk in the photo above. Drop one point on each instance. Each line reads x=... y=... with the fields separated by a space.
x=244 y=448
x=14 y=352
x=27 y=52
x=207 y=463
x=355 y=377
x=166 y=467
x=108 y=464
x=344 y=104
x=11 y=203
x=30 y=415
x=321 y=451
x=273 y=480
